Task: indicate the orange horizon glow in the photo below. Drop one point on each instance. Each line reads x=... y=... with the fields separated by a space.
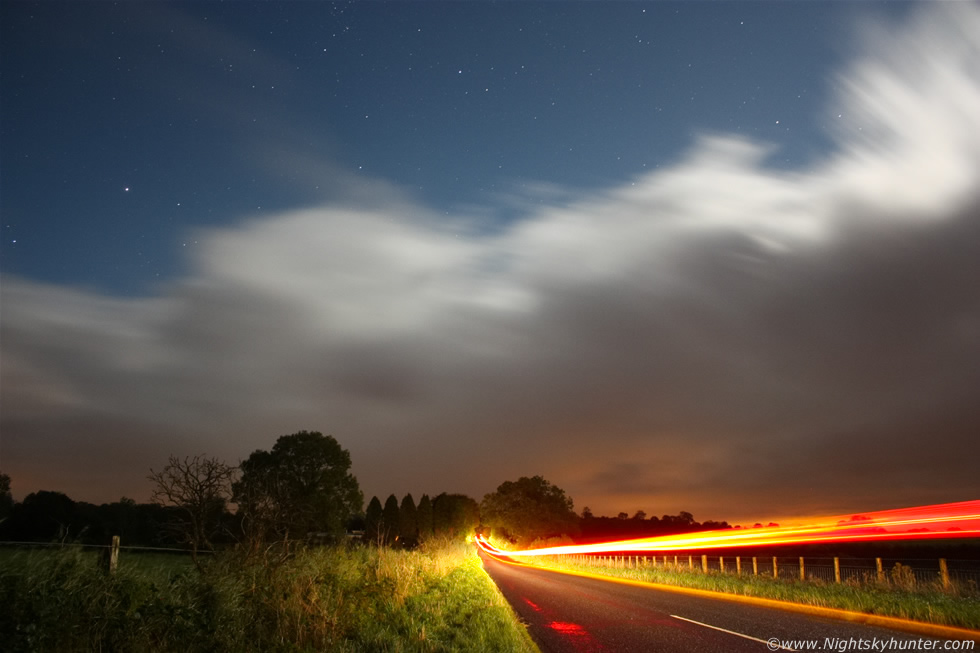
x=941 y=521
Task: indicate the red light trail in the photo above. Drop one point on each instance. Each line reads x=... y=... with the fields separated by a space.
x=948 y=520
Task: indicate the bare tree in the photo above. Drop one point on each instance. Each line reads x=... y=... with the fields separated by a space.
x=199 y=488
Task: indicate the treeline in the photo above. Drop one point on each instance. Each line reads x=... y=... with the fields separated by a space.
x=47 y=516
x=299 y=492
x=302 y=492
x=407 y=525
x=624 y=527
x=532 y=512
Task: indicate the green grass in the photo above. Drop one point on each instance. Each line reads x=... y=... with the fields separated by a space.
x=324 y=599
x=957 y=607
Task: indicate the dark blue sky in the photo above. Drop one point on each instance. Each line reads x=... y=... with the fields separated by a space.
x=719 y=257
x=211 y=112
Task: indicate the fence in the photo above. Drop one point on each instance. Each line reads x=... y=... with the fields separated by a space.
x=110 y=552
x=903 y=572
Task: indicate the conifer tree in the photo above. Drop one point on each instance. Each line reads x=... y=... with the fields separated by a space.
x=424 y=515
x=389 y=520
x=408 y=524
x=373 y=520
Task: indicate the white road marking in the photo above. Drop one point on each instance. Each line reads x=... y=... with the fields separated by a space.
x=732 y=632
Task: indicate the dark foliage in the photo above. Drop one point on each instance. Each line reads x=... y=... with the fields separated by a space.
x=454 y=515
x=408 y=523
x=302 y=488
x=529 y=509
x=373 y=519
x=389 y=520
x=424 y=514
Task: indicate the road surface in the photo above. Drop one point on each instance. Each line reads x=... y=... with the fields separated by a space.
x=574 y=614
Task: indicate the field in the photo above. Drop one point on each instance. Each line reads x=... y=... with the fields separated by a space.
x=346 y=598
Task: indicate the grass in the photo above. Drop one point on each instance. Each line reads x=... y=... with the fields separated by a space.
x=324 y=599
x=959 y=606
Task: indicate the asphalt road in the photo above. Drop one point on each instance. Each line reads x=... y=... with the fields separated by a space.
x=575 y=614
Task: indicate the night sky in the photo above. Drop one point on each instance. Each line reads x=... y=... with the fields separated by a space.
x=720 y=257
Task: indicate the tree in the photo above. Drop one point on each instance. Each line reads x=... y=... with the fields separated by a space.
x=300 y=488
x=45 y=516
x=454 y=515
x=6 y=498
x=408 y=523
x=389 y=520
x=640 y=515
x=424 y=514
x=372 y=521
x=528 y=509
x=199 y=488
x=587 y=513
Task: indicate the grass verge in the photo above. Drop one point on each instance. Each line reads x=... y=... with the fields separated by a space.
x=930 y=604
x=324 y=599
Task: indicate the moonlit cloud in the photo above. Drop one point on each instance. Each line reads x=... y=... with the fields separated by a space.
x=805 y=340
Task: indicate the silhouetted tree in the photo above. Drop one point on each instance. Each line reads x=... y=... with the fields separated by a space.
x=454 y=515
x=424 y=514
x=373 y=520
x=199 y=488
x=622 y=515
x=303 y=486
x=681 y=520
x=639 y=514
x=528 y=509
x=389 y=520
x=408 y=523
x=45 y=516
x=587 y=513
x=6 y=498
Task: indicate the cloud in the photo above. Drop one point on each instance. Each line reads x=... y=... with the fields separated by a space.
x=720 y=336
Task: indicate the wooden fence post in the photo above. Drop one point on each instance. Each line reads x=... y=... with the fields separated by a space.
x=802 y=574
x=721 y=563
x=690 y=562
x=775 y=570
x=704 y=562
x=837 y=570
x=114 y=554
x=881 y=570
x=944 y=573
x=675 y=561
x=755 y=566
x=738 y=565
